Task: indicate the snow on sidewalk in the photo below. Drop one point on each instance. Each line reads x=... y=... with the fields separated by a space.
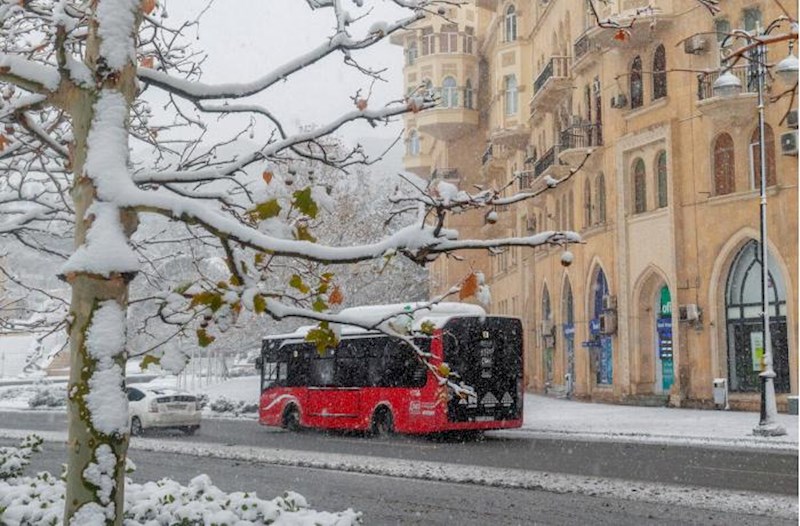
x=553 y=416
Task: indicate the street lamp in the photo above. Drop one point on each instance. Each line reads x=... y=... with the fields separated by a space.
x=728 y=84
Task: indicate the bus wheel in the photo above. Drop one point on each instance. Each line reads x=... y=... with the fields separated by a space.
x=382 y=423
x=291 y=419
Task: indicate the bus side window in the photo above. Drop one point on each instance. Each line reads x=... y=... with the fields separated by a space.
x=299 y=359
x=350 y=364
x=322 y=369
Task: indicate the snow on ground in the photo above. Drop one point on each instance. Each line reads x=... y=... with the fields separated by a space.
x=780 y=506
x=586 y=420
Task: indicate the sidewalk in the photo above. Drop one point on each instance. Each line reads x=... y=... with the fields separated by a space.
x=548 y=416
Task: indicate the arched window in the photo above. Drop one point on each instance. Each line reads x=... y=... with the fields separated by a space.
x=755 y=157
x=724 y=173
x=548 y=335
x=468 y=95
x=413 y=146
x=587 y=203
x=659 y=73
x=661 y=179
x=639 y=187
x=511 y=24
x=571 y=211
x=743 y=303
x=558 y=214
x=511 y=95
x=449 y=93
x=637 y=90
x=601 y=198
x=602 y=355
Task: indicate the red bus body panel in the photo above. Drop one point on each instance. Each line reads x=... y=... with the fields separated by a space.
x=414 y=410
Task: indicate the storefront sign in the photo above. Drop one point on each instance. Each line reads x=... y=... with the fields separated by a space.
x=757 y=350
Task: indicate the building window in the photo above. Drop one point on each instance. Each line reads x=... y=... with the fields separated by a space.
x=637 y=91
x=724 y=168
x=601 y=198
x=558 y=214
x=587 y=203
x=743 y=304
x=661 y=179
x=449 y=93
x=428 y=42
x=448 y=39
x=639 y=187
x=659 y=73
x=413 y=147
x=571 y=211
x=751 y=18
x=411 y=53
x=722 y=27
x=511 y=95
x=511 y=24
x=755 y=157
x=468 y=95
x=468 y=46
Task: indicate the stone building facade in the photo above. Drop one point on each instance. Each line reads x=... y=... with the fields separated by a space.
x=663 y=295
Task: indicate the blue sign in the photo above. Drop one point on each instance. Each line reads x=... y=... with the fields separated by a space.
x=594 y=326
x=664 y=324
x=591 y=343
x=569 y=329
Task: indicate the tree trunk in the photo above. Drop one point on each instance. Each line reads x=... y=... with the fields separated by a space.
x=97 y=408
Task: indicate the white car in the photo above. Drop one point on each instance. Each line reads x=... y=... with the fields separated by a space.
x=162 y=408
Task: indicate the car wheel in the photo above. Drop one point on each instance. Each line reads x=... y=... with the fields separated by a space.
x=382 y=423
x=190 y=430
x=291 y=420
x=136 y=426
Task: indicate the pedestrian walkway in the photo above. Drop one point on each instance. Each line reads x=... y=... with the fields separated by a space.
x=585 y=420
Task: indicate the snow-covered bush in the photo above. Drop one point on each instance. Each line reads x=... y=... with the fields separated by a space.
x=48 y=396
x=14 y=459
x=236 y=407
x=39 y=500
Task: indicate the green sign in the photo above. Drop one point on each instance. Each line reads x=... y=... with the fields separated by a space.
x=757 y=350
x=666 y=302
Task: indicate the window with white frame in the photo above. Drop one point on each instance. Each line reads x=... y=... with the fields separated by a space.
x=510 y=33
x=413 y=147
x=449 y=93
x=512 y=95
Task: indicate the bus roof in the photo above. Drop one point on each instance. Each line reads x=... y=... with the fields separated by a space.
x=438 y=315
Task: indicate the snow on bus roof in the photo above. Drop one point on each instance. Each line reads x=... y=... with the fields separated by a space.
x=392 y=315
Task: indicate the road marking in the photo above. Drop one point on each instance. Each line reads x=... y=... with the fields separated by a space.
x=748 y=471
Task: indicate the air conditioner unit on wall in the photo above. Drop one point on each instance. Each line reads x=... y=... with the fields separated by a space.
x=789 y=143
x=609 y=302
x=695 y=45
x=689 y=312
x=619 y=101
x=608 y=323
x=791 y=119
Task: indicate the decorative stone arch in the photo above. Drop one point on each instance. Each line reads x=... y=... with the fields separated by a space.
x=601 y=350
x=567 y=331
x=716 y=298
x=644 y=336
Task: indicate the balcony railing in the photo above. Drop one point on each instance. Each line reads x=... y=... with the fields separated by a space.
x=556 y=67
x=487 y=155
x=582 y=136
x=546 y=161
x=582 y=46
x=705 y=81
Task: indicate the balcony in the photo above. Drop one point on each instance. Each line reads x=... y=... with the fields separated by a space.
x=511 y=138
x=419 y=164
x=550 y=164
x=552 y=84
x=578 y=141
x=447 y=123
x=735 y=107
x=647 y=22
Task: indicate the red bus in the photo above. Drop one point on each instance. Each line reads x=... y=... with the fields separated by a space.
x=373 y=382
